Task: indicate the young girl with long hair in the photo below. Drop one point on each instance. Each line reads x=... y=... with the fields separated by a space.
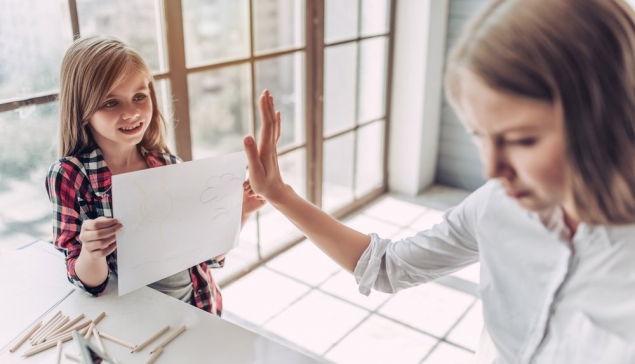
x=547 y=89
x=110 y=123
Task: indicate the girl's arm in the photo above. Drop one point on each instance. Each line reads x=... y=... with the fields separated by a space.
x=341 y=243
x=85 y=270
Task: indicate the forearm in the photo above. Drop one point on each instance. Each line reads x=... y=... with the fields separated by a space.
x=343 y=244
x=91 y=271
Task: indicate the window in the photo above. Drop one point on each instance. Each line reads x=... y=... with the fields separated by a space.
x=326 y=62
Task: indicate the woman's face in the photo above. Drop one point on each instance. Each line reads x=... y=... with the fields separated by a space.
x=521 y=142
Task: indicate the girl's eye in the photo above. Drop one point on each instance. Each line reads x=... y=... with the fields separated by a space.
x=111 y=103
x=527 y=142
x=139 y=97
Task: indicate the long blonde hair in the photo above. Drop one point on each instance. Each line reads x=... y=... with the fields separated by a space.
x=91 y=68
x=580 y=54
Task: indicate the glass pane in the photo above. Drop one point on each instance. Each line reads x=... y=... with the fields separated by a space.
x=215 y=30
x=284 y=77
x=220 y=112
x=337 y=187
x=375 y=17
x=133 y=21
x=340 y=20
x=28 y=146
x=164 y=98
x=278 y=24
x=340 y=78
x=370 y=158
x=372 y=79
x=275 y=229
x=34 y=35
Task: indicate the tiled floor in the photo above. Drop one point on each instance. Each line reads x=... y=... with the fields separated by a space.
x=304 y=299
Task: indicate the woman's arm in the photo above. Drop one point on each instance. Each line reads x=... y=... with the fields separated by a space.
x=341 y=243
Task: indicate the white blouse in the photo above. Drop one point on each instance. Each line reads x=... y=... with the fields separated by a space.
x=547 y=298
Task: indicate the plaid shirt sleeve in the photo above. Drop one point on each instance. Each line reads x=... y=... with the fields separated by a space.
x=67 y=220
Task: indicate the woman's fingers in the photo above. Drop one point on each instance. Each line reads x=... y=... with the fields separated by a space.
x=256 y=169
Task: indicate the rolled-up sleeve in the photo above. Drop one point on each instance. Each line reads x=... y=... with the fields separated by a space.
x=389 y=266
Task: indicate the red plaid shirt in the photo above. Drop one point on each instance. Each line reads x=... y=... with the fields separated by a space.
x=78 y=188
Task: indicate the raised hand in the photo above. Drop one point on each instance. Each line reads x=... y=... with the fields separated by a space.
x=98 y=236
x=264 y=172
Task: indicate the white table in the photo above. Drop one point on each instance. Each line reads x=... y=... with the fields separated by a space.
x=137 y=315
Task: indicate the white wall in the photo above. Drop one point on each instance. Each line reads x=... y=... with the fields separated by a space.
x=417 y=84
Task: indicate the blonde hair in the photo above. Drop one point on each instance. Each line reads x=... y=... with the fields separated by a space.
x=580 y=54
x=91 y=68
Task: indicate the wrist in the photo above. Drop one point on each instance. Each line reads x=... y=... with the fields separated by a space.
x=281 y=195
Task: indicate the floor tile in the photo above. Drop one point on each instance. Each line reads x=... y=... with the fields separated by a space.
x=470 y=274
x=379 y=340
x=305 y=262
x=396 y=211
x=261 y=294
x=344 y=286
x=428 y=220
x=275 y=230
x=431 y=307
x=468 y=332
x=316 y=321
x=449 y=354
x=366 y=224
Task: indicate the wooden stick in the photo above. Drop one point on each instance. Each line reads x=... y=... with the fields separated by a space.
x=65 y=327
x=45 y=346
x=90 y=330
x=41 y=331
x=99 y=317
x=151 y=339
x=25 y=337
x=98 y=340
x=155 y=355
x=43 y=334
x=46 y=325
x=52 y=329
x=116 y=340
x=73 y=357
x=169 y=338
x=58 y=355
x=74 y=328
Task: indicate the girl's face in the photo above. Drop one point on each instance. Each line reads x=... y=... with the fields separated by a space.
x=521 y=142
x=124 y=115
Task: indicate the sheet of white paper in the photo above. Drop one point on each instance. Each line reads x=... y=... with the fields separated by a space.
x=176 y=216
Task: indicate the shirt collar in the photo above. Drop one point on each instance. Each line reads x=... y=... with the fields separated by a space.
x=97 y=170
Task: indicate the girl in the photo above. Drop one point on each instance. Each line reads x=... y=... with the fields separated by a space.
x=547 y=89
x=110 y=123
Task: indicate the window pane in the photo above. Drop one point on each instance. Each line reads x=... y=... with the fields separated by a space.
x=370 y=158
x=340 y=78
x=220 y=112
x=215 y=30
x=337 y=187
x=133 y=21
x=278 y=24
x=340 y=20
x=284 y=77
x=244 y=255
x=164 y=98
x=372 y=79
x=374 y=17
x=28 y=145
x=275 y=229
x=33 y=38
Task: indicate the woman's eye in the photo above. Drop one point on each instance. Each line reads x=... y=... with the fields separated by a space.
x=111 y=103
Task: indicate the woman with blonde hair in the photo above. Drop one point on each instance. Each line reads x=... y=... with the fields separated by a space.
x=110 y=123
x=547 y=89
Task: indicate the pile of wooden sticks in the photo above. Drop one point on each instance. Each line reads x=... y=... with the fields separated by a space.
x=60 y=328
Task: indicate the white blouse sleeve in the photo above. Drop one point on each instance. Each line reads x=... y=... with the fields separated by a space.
x=449 y=246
